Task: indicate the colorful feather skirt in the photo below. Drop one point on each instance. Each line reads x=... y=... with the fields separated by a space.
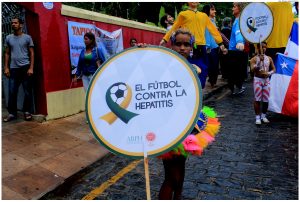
x=207 y=127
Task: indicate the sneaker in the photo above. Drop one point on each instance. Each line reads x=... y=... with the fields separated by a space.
x=258 y=122
x=265 y=120
x=240 y=91
x=10 y=117
x=234 y=91
x=27 y=116
x=243 y=87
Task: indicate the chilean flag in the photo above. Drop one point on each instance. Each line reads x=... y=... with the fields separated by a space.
x=291 y=49
x=284 y=87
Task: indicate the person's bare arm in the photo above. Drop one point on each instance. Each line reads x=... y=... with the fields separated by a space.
x=30 y=70
x=6 y=60
x=253 y=64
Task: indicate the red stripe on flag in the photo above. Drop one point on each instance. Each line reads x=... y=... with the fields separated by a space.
x=290 y=104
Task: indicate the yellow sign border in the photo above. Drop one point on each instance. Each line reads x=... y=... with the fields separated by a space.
x=195 y=115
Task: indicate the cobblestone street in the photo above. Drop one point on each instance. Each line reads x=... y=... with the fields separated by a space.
x=245 y=162
x=98 y=97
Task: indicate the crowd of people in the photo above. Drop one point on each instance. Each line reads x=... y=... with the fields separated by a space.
x=195 y=35
x=216 y=51
x=231 y=61
x=224 y=51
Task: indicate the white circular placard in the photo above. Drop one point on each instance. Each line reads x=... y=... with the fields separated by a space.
x=48 y=5
x=256 y=22
x=143 y=99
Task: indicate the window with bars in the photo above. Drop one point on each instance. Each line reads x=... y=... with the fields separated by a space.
x=10 y=10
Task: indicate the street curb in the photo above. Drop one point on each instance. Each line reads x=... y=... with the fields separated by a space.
x=69 y=181
x=39 y=117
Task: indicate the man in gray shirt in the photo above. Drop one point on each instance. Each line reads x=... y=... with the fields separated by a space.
x=19 y=51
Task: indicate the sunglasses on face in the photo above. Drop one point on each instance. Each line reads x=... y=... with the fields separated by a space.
x=186 y=44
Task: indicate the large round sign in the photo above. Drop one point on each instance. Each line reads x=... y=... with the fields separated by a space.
x=143 y=99
x=256 y=22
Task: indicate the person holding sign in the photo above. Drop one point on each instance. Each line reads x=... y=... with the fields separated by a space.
x=263 y=67
x=236 y=53
x=196 y=22
x=90 y=59
x=206 y=128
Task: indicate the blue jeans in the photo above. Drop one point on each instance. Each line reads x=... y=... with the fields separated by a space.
x=200 y=59
x=200 y=63
x=86 y=81
x=17 y=77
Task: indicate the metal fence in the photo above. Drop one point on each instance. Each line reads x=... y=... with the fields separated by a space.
x=10 y=10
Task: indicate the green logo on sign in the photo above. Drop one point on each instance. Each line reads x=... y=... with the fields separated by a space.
x=118 y=97
x=251 y=25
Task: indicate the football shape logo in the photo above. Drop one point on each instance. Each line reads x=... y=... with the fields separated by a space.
x=118 y=97
x=118 y=93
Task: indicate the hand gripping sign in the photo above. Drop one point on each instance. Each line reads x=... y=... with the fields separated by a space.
x=256 y=22
x=143 y=97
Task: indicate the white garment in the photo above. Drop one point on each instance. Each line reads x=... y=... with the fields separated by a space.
x=264 y=65
x=169 y=27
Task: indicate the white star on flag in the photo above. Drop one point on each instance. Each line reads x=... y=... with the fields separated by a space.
x=284 y=65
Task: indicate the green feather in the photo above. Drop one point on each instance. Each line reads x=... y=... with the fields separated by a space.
x=209 y=112
x=182 y=151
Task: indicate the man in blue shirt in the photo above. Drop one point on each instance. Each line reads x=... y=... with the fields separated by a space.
x=236 y=53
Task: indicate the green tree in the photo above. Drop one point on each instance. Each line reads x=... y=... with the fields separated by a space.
x=148 y=12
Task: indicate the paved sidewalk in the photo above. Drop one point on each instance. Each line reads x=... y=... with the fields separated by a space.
x=38 y=157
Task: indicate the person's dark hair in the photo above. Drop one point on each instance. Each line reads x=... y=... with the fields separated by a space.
x=206 y=8
x=91 y=36
x=132 y=39
x=258 y=47
x=182 y=31
x=19 y=19
x=163 y=19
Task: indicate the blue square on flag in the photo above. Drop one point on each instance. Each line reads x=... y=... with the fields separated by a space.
x=284 y=65
x=284 y=87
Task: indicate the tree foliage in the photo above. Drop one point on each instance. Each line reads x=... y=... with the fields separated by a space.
x=148 y=12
